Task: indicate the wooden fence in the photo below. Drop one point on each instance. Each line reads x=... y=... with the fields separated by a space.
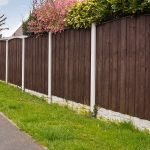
x=122 y=65
x=36 y=64
x=71 y=65
x=2 y=60
x=15 y=61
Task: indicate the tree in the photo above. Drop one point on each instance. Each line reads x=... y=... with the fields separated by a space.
x=40 y=2
x=2 y=22
x=25 y=25
x=49 y=15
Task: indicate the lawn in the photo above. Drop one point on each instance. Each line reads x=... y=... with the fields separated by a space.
x=59 y=128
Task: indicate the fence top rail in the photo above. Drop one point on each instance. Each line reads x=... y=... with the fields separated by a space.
x=13 y=37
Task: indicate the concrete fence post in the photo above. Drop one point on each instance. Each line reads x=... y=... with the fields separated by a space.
x=93 y=67
x=49 y=67
x=23 y=63
x=6 y=62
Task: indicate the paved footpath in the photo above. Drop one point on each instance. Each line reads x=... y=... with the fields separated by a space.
x=13 y=139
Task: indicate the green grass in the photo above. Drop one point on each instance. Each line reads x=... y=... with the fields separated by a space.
x=59 y=128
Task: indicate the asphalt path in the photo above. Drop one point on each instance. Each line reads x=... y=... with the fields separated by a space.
x=11 y=138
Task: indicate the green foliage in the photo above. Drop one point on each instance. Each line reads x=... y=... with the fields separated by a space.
x=84 y=13
x=25 y=25
x=146 y=5
x=95 y=111
x=126 y=7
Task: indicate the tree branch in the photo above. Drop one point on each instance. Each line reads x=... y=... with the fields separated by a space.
x=2 y=22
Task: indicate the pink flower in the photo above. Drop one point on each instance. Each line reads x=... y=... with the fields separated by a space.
x=50 y=17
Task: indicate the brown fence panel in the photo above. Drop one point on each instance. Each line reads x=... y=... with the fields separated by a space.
x=36 y=64
x=15 y=61
x=123 y=70
x=71 y=65
x=2 y=60
x=122 y=65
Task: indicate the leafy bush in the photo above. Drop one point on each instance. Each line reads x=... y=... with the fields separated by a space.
x=83 y=14
x=126 y=7
x=146 y=5
x=54 y=16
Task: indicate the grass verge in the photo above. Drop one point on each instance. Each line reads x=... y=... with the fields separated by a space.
x=59 y=128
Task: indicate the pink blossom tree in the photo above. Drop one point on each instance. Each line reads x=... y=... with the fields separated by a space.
x=49 y=15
